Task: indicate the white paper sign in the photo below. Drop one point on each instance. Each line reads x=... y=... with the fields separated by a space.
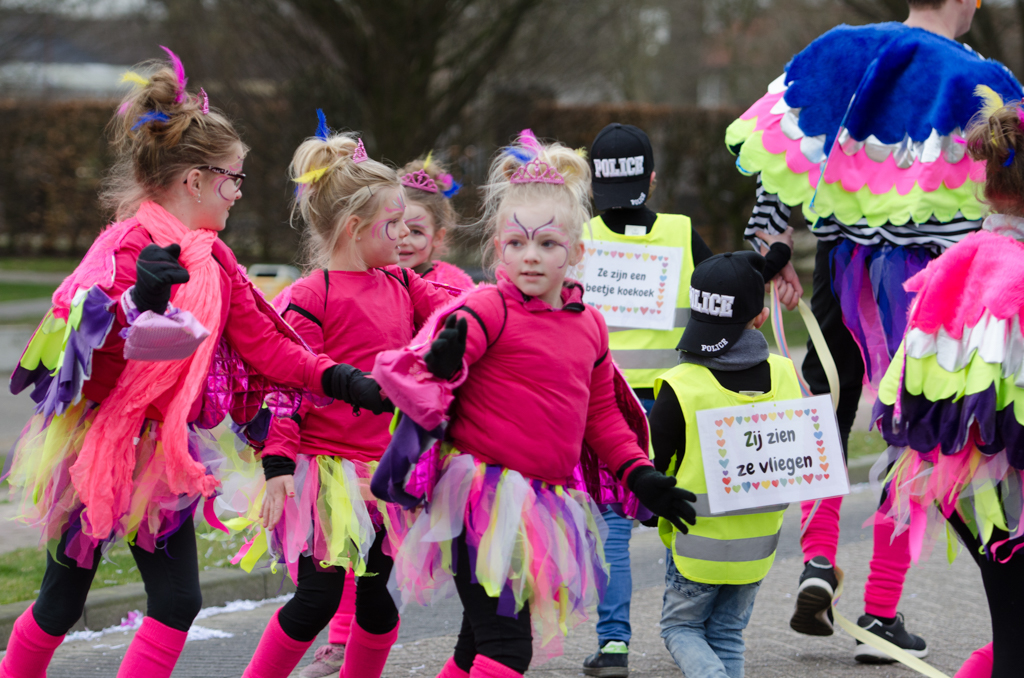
x=631 y=285
x=770 y=453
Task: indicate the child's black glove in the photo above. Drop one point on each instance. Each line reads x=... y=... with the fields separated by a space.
x=355 y=387
x=155 y=271
x=445 y=357
x=660 y=495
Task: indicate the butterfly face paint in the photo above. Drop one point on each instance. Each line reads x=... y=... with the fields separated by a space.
x=535 y=251
x=416 y=249
x=216 y=191
x=378 y=244
x=385 y=221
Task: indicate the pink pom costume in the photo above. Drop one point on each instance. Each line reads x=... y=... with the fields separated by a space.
x=332 y=525
x=951 y=406
x=119 y=447
x=508 y=520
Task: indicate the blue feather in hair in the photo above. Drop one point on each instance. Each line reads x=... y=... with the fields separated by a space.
x=322 y=130
x=453 y=189
x=520 y=154
x=151 y=116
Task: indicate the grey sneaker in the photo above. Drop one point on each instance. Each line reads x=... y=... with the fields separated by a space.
x=327 y=662
x=611 y=661
x=896 y=633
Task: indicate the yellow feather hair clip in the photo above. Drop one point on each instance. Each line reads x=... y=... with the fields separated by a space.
x=993 y=102
x=312 y=176
x=582 y=152
x=133 y=77
x=426 y=163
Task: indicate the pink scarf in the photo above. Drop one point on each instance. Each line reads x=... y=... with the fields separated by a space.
x=102 y=475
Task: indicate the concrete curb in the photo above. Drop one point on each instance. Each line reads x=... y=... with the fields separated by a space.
x=106 y=607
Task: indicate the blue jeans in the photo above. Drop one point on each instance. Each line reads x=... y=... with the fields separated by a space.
x=702 y=624
x=613 y=610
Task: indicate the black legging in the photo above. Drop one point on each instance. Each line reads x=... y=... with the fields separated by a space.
x=170 y=574
x=319 y=594
x=506 y=640
x=841 y=344
x=1004 y=588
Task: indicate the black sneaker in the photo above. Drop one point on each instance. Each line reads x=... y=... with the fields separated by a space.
x=895 y=633
x=818 y=584
x=611 y=661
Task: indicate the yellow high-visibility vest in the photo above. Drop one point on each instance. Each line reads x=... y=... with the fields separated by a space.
x=643 y=355
x=731 y=548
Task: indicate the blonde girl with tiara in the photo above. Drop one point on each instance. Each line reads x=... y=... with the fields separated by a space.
x=429 y=189
x=535 y=384
x=354 y=302
x=154 y=338
x=429 y=216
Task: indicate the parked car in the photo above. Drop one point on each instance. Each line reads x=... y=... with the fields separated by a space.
x=272 y=278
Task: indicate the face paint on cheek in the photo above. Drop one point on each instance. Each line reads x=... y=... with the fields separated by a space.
x=382 y=227
x=226 y=189
x=555 y=230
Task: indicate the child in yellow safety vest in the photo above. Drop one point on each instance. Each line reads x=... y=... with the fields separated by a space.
x=713 y=572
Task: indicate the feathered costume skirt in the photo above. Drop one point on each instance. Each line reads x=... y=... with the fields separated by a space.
x=332 y=518
x=529 y=543
x=952 y=403
x=41 y=473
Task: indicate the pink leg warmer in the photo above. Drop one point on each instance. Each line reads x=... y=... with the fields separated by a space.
x=821 y=538
x=29 y=649
x=366 y=653
x=889 y=564
x=342 y=619
x=485 y=667
x=277 y=655
x=451 y=670
x=978 y=665
x=153 y=652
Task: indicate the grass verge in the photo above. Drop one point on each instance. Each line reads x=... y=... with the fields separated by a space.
x=21 y=570
x=16 y=291
x=864 y=443
x=40 y=264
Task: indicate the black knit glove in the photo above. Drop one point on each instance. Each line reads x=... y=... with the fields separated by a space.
x=155 y=271
x=658 y=492
x=445 y=357
x=355 y=387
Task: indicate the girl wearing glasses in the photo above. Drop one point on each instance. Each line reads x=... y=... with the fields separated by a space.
x=153 y=339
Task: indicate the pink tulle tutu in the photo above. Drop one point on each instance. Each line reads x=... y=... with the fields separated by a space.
x=529 y=544
x=333 y=517
x=41 y=474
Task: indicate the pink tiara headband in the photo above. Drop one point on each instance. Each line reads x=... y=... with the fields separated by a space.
x=419 y=180
x=359 y=155
x=536 y=172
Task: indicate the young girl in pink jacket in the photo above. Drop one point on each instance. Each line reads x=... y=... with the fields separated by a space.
x=429 y=215
x=355 y=303
x=516 y=382
x=154 y=338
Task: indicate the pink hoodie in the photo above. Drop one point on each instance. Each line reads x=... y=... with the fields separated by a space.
x=539 y=383
x=351 y=317
x=251 y=332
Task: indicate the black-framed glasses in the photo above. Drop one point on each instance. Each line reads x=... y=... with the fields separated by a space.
x=237 y=176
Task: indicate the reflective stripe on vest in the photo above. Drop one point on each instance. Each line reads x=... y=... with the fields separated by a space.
x=736 y=547
x=726 y=550
x=643 y=355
